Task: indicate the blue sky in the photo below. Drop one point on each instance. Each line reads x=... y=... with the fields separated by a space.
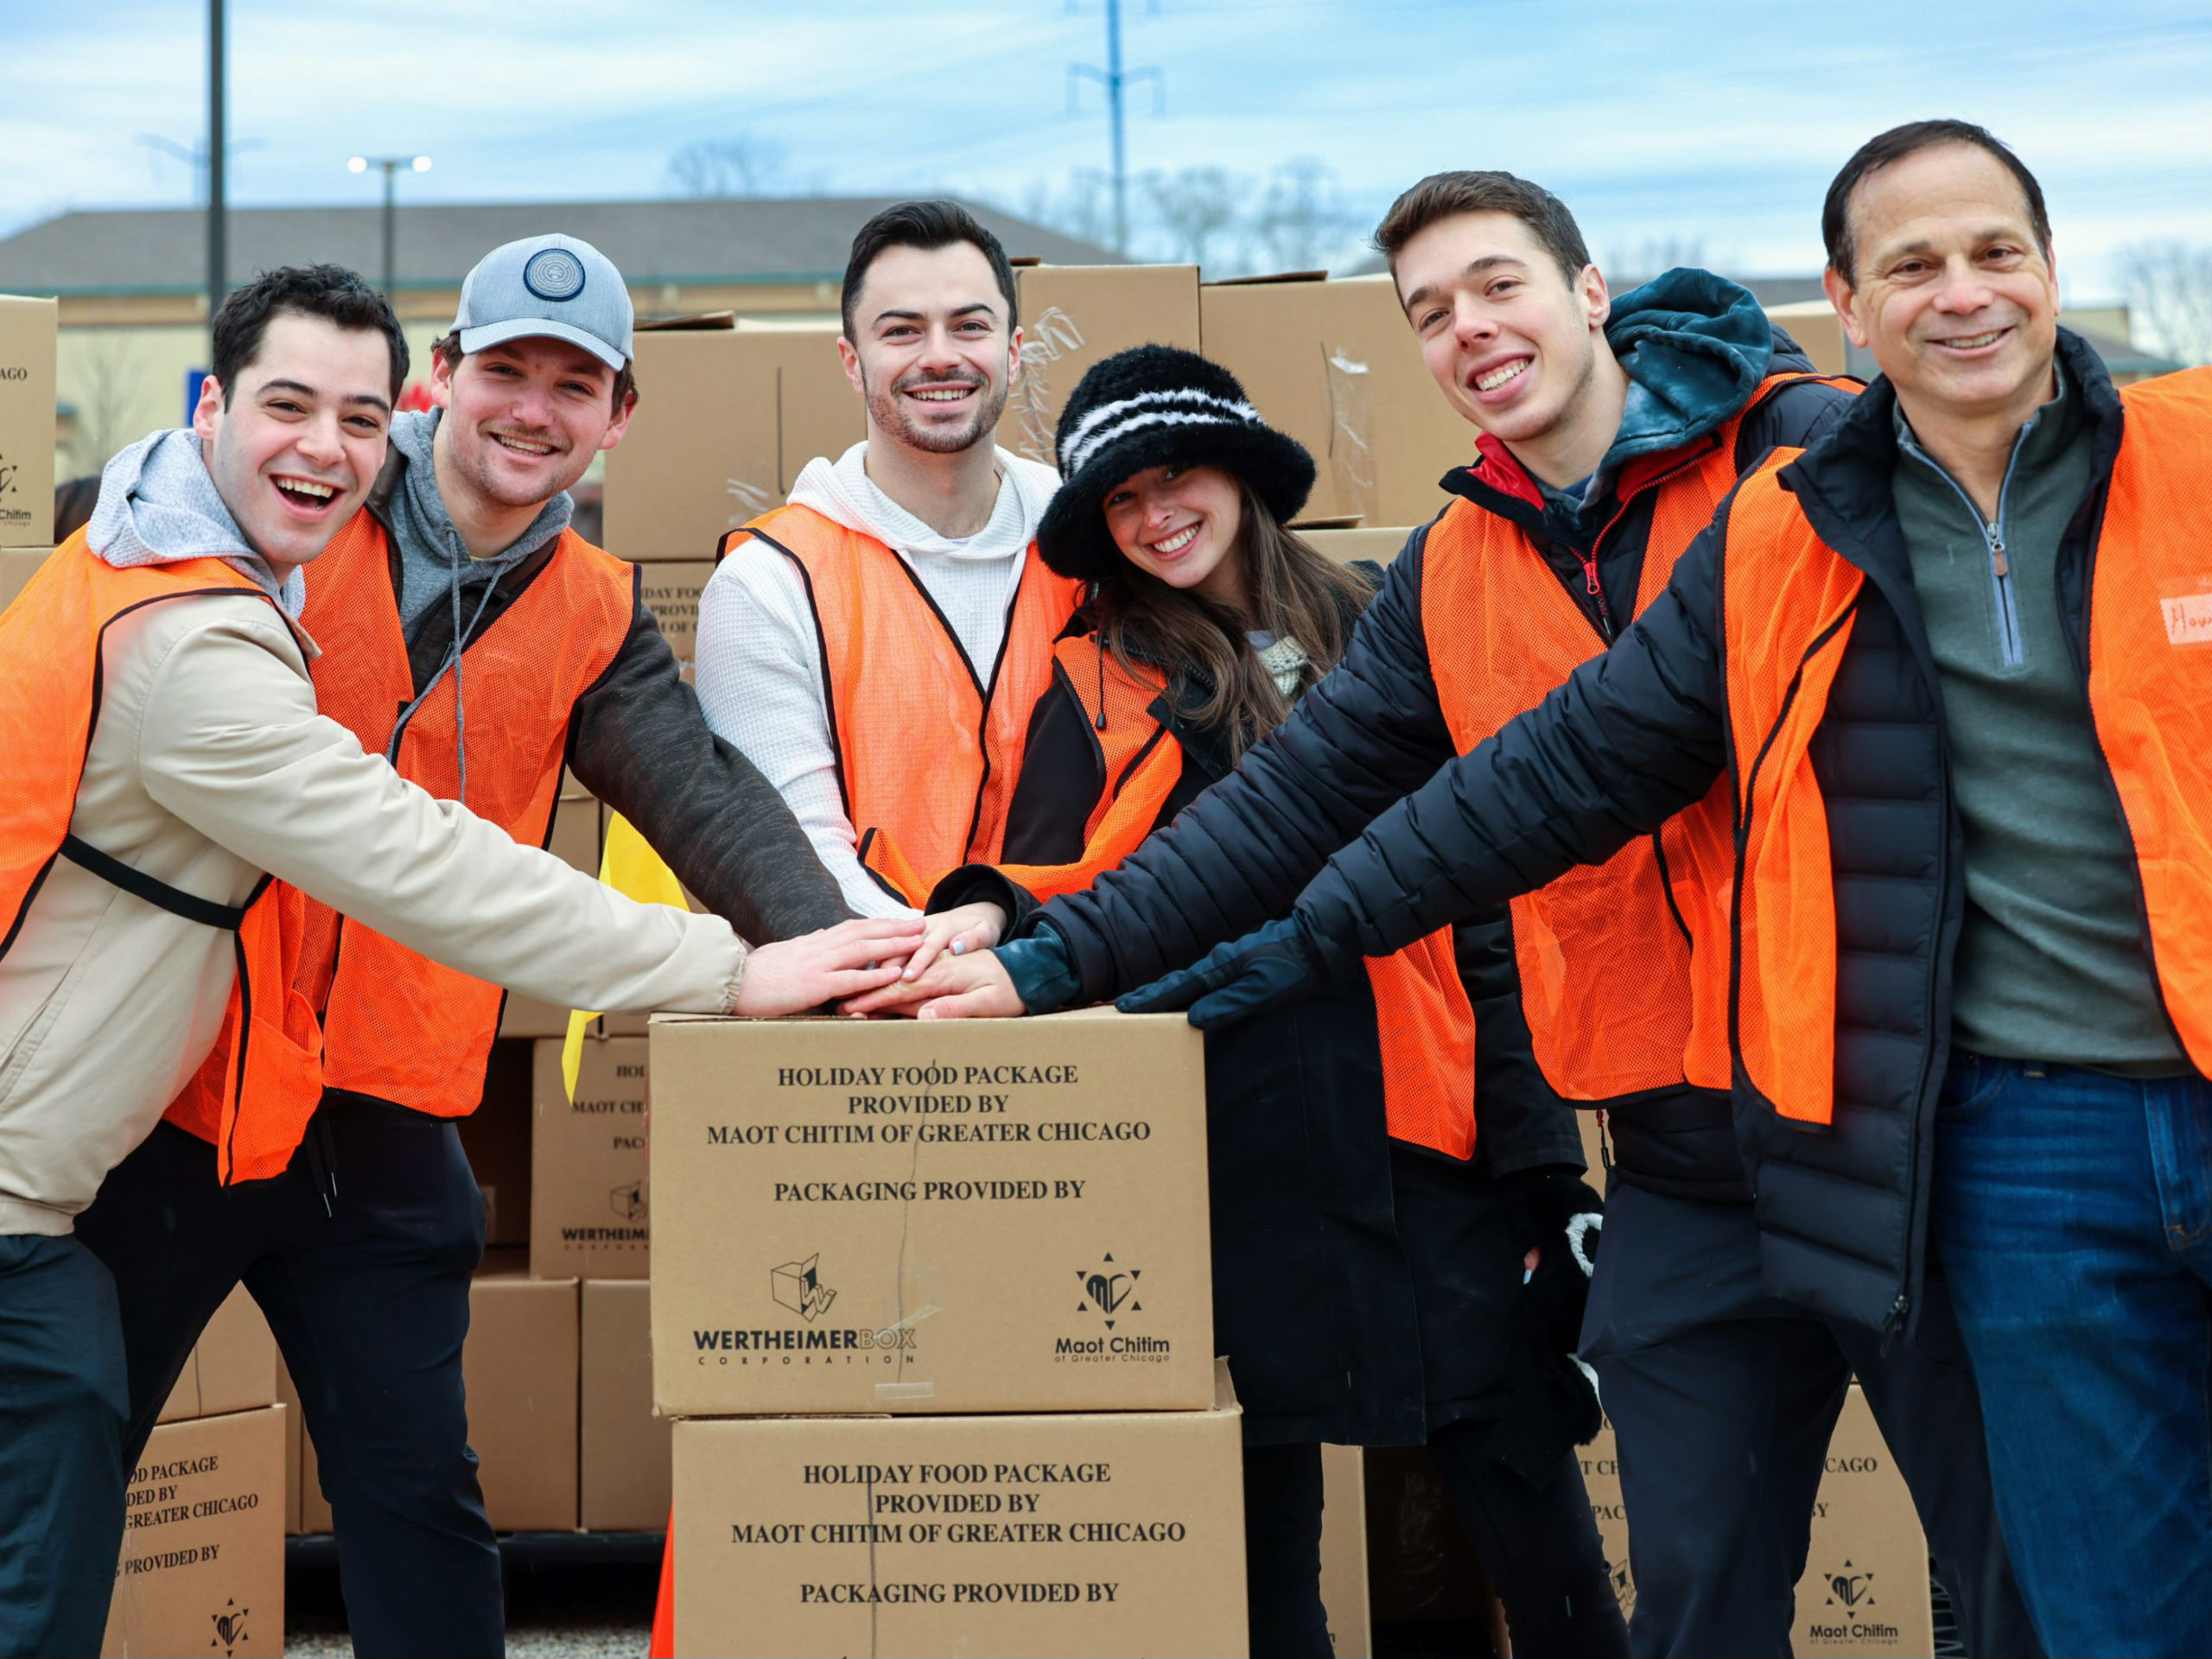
x=1717 y=136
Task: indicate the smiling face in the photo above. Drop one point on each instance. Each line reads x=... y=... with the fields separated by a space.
x=1185 y=525
x=294 y=442
x=1950 y=287
x=931 y=350
x=1512 y=341
x=522 y=420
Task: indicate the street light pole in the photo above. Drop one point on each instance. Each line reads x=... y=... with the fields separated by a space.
x=390 y=166
x=218 y=226
x=1116 y=81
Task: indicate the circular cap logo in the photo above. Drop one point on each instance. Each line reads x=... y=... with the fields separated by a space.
x=554 y=274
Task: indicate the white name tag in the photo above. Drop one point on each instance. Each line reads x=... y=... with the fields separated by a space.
x=2189 y=619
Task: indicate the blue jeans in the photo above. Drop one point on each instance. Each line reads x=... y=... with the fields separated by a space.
x=2073 y=1215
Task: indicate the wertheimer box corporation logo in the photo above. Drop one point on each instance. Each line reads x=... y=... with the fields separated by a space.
x=797 y=1286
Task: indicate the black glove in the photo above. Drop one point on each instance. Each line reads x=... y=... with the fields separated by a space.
x=1556 y=1212
x=1271 y=965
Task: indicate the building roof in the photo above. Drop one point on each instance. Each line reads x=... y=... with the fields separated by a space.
x=775 y=239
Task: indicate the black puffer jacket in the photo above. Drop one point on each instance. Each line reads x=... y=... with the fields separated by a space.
x=1636 y=734
x=1369 y=733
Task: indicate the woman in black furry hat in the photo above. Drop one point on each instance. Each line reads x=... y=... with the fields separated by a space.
x=1373 y=1284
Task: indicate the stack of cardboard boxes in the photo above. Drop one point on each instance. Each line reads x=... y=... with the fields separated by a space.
x=931 y=1308
x=203 y=1544
x=27 y=346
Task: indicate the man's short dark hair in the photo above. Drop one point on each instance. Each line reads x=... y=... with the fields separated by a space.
x=1447 y=195
x=331 y=292
x=924 y=225
x=1895 y=145
x=447 y=349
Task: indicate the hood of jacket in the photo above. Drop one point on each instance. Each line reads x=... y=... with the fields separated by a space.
x=158 y=505
x=841 y=490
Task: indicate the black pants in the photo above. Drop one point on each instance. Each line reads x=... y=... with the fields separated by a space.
x=1723 y=1401
x=61 y=1462
x=1540 y=1547
x=360 y=1254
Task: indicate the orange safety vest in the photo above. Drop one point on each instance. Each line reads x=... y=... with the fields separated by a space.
x=255 y=1091
x=927 y=746
x=1790 y=604
x=1425 y=1024
x=1622 y=982
x=396 y=1026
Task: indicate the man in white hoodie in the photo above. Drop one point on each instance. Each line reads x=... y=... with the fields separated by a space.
x=876 y=645
x=166 y=760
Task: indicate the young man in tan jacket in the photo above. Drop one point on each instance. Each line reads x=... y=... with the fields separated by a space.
x=167 y=759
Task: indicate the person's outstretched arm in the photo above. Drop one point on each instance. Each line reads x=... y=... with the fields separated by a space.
x=642 y=746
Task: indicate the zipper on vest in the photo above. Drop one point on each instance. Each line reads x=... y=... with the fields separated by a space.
x=1590 y=586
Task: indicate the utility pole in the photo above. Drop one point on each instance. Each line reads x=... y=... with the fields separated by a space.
x=390 y=166
x=219 y=250
x=1113 y=78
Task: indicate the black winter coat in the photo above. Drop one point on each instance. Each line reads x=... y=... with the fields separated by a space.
x=1372 y=732
x=1362 y=1289
x=1640 y=733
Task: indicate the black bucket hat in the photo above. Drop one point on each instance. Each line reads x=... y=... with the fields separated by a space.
x=1156 y=406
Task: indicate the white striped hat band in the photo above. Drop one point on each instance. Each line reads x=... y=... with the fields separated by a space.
x=1110 y=422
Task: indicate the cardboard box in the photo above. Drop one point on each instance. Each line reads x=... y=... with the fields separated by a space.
x=296 y=1433
x=1074 y=315
x=17 y=566
x=1100 y=1534
x=671 y=592
x=1343 y=1550
x=202 y=1568
x=232 y=1367
x=1865 y=1591
x=957 y=1216
x=519 y=1367
x=624 y=1473
x=1381 y=543
x=587 y=1192
x=1335 y=365
x=726 y=420
x=576 y=840
x=1814 y=326
x=27 y=346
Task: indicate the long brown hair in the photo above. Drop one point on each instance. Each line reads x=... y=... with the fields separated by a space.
x=1291 y=591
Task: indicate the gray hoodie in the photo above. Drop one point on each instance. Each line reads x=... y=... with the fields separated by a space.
x=157 y=506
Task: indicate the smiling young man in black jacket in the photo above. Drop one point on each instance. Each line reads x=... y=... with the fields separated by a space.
x=1608 y=431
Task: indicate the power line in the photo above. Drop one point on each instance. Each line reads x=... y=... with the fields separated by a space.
x=1114 y=80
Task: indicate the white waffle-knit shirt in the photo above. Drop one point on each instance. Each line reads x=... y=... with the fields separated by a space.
x=759 y=655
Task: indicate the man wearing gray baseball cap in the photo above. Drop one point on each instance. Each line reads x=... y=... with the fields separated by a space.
x=474 y=640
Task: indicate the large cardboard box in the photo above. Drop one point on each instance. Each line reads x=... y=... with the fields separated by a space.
x=1335 y=365
x=232 y=1367
x=1108 y=1533
x=1814 y=326
x=203 y=1569
x=589 y=1216
x=17 y=566
x=27 y=345
x=1865 y=1591
x=726 y=420
x=672 y=594
x=1343 y=1551
x=574 y=841
x=623 y=1483
x=295 y=1435
x=1074 y=315
x=956 y=1216
x=519 y=1367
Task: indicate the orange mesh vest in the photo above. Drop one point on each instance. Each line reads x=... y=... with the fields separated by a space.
x=396 y=1025
x=1425 y=1022
x=1622 y=980
x=928 y=744
x=255 y=1092
x=1790 y=604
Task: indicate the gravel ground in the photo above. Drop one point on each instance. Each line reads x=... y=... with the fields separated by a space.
x=579 y=1611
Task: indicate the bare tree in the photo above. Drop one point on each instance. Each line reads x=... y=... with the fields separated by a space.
x=2169 y=288
x=1195 y=206
x=1302 y=221
x=1639 y=262
x=1081 y=209
x=110 y=371
x=745 y=165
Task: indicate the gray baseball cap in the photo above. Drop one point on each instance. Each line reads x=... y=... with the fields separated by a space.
x=553 y=286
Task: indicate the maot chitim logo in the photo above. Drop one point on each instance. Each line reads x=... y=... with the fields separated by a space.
x=1851 y=1589
x=230 y=1627
x=1106 y=1291
x=797 y=1286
